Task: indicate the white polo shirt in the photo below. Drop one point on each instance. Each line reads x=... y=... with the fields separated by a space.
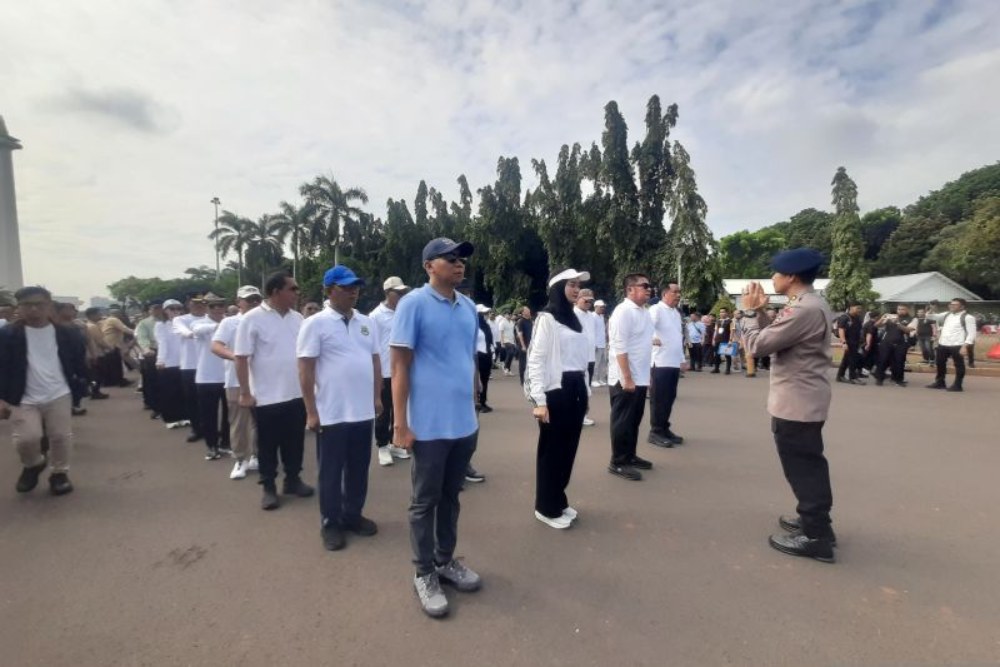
x=268 y=338
x=226 y=334
x=587 y=322
x=345 y=377
x=211 y=369
x=190 y=346
x=168 y=345
x=383 y=316
x=630 y=332
x=667 y=326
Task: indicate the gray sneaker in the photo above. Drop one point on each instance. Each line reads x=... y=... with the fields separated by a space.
x=432 y=598
x=459 y=576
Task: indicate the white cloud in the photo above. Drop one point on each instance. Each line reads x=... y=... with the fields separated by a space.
x=134 y=116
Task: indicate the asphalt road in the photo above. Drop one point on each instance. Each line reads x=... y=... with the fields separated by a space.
x=158 y=558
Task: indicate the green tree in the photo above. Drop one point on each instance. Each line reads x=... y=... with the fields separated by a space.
x=263 y=250
x=333 y=206
x=907 y=246
x=849 y=277
x=294 y=224
x=970 y=250
x=620 y=228
x=232 y=235
x=747 y=254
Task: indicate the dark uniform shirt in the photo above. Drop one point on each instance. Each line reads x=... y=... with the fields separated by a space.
x=851 y=326
x=897 y=331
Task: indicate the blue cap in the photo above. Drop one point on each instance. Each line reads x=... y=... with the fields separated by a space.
x=444 y=246
x=341 y=275
x=800 y=260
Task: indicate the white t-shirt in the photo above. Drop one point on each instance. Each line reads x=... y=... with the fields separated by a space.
x=495 y=330
x=45 y=379
x=190 y=346
x=268 y=338
x=226 y=334
x=211 y=369
x=345 y=377
x=506 y=331
x=168 y=345
x=630 y=332
x=481 y=341
x=600 y=331
x=575 y=349
x=383 y=316
x=667 y=326
x=587 y=322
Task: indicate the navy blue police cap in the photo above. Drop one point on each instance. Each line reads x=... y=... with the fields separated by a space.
x=798 y=261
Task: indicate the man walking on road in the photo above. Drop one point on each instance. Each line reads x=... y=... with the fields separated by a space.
x=956 y=335
x=434 y=397
x=799 y=400
x=668 y=357
x=849 y=332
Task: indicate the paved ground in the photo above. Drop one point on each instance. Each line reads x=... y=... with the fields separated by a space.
x=159 y=559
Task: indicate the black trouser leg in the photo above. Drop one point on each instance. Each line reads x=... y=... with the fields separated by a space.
x=150 y=395
x=884 y=360
x=210 y=395
x=849 y=364
x=970 y=352
x=899 y=361
x=383 y=423
x=508 y=355
x=191 y=401
x=485 y=366
x=665 y=380
x=171 y=399
x=953 y=352
x=280 y=431
x=343 y=454
x=696 y=356
x=522 y=363
x=627 y=409
x=557 y=444
x=800 y=449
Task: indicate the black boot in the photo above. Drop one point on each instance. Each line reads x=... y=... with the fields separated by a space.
x=270 y=500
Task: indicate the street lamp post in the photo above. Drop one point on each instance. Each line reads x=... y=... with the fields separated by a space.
x=215 y=200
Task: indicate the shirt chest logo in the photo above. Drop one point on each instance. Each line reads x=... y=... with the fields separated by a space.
x=364 y=329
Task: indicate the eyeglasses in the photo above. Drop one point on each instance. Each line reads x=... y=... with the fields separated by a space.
x=452 y=258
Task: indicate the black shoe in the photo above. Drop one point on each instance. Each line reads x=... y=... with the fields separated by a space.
x=155 y=415
x=29 y=477
x=800 y=545
x=727 y=371
x=714 y=371
x=213 y=455
x=98 y=396
x=858 y=381
x=954 y=387
x=485 y=409
x=640 y=463
x=794 y=526
x=474 y=476
x=674 y=438
x=937 y=385
x=126 y=383
x=625 y=471
x=879 y=383
x=294 y=486
x=333 y=537
x=362 y=526
x=194 y=437
x=79 y=412
x=900 y=383
x=59 y=484
x=659 y=441
x=270 y=500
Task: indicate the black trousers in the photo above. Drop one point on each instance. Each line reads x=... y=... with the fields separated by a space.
x=383 y=422
x=665 y=380
x=627 y=409
x=696 y=356
x=110 y=369
x=485 y=366
x=437 y=472
x=172 y=407
x=522 y=364
x=509 y=351
x=971 y=353
x=800 y=449
x=953 y=352
x=191 y=400
x=893 y=357
x=558 y=442
x=851 y=362
x=590 y=372
x=150 y=386
x=343 y=454
x=281 y=431
x=718 y=361
x=213 y=412
x=708 y=354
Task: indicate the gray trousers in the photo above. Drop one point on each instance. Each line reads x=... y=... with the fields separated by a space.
x=601 y=365
x=438 y=472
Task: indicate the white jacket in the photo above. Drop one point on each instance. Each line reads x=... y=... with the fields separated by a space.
x=544 y=372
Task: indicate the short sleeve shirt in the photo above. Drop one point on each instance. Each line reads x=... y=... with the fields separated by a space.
x=269 y=338
x=226 y=334
x=442 y=335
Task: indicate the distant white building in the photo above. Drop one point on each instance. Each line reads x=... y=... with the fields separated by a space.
x=100 y=302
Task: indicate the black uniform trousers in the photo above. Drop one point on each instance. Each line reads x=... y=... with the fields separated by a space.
x=851 y=363
x=170 y=387
x=696 y=356
x=953 y=352
x=213 y=406
x=800 y=449
x=150 y=385
x=627 y=410
x=281 y=431
x=343 y=454
x=893 y=357
x=485 y=367
x=665 y=381
x=558 y=442
x=191 y=400
x=383 y=422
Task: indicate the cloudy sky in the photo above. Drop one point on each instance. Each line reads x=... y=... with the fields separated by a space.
x=134 y=115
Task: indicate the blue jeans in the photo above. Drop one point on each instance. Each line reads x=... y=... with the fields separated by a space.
x=438 y=472
x=343 y=452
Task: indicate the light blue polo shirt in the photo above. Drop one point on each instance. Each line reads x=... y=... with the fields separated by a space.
x=442 y=335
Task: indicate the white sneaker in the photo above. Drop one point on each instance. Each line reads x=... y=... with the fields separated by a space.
x=570 y=513
x=398 y=452
x=560 y=522
x=384 y=456
x=252 y=464
x=239 y=470
x=595 y=383
x=174 y=425
x=587 y=421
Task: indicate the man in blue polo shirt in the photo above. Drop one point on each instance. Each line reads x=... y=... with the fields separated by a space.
x=433 y=393
x=338 y=357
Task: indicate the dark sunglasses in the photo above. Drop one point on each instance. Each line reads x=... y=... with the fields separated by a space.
x=452 y=258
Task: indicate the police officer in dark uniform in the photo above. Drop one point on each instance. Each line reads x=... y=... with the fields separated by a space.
x=798 y=340
x=897 y=335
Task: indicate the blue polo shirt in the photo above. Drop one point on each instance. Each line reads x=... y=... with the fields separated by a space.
x=442 y=335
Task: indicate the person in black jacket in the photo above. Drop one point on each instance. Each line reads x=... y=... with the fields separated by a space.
x=40 y=362
x=723 y=334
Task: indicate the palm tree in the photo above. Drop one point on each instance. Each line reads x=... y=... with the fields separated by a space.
x=294 y=224
x=232 y=236
x=334 y=207
x=263 y=245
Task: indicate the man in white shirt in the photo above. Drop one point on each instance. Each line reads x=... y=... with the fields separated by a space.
x=383 y=315
x=584 y=302
x=338 y=358
x=210 y=381
x=507 y=339
x=242 y=431
x=497 y=345
x=696 y=338
x=668 y=357
x=629 y=353
x=190 y=352
x=601 y=343
x=956 y=335
x=267 y=370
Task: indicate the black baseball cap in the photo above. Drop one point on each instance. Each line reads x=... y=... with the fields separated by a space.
x=443 y=246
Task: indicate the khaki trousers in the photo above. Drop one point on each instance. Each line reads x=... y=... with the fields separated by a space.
x=29 y=423
x=242 y=430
